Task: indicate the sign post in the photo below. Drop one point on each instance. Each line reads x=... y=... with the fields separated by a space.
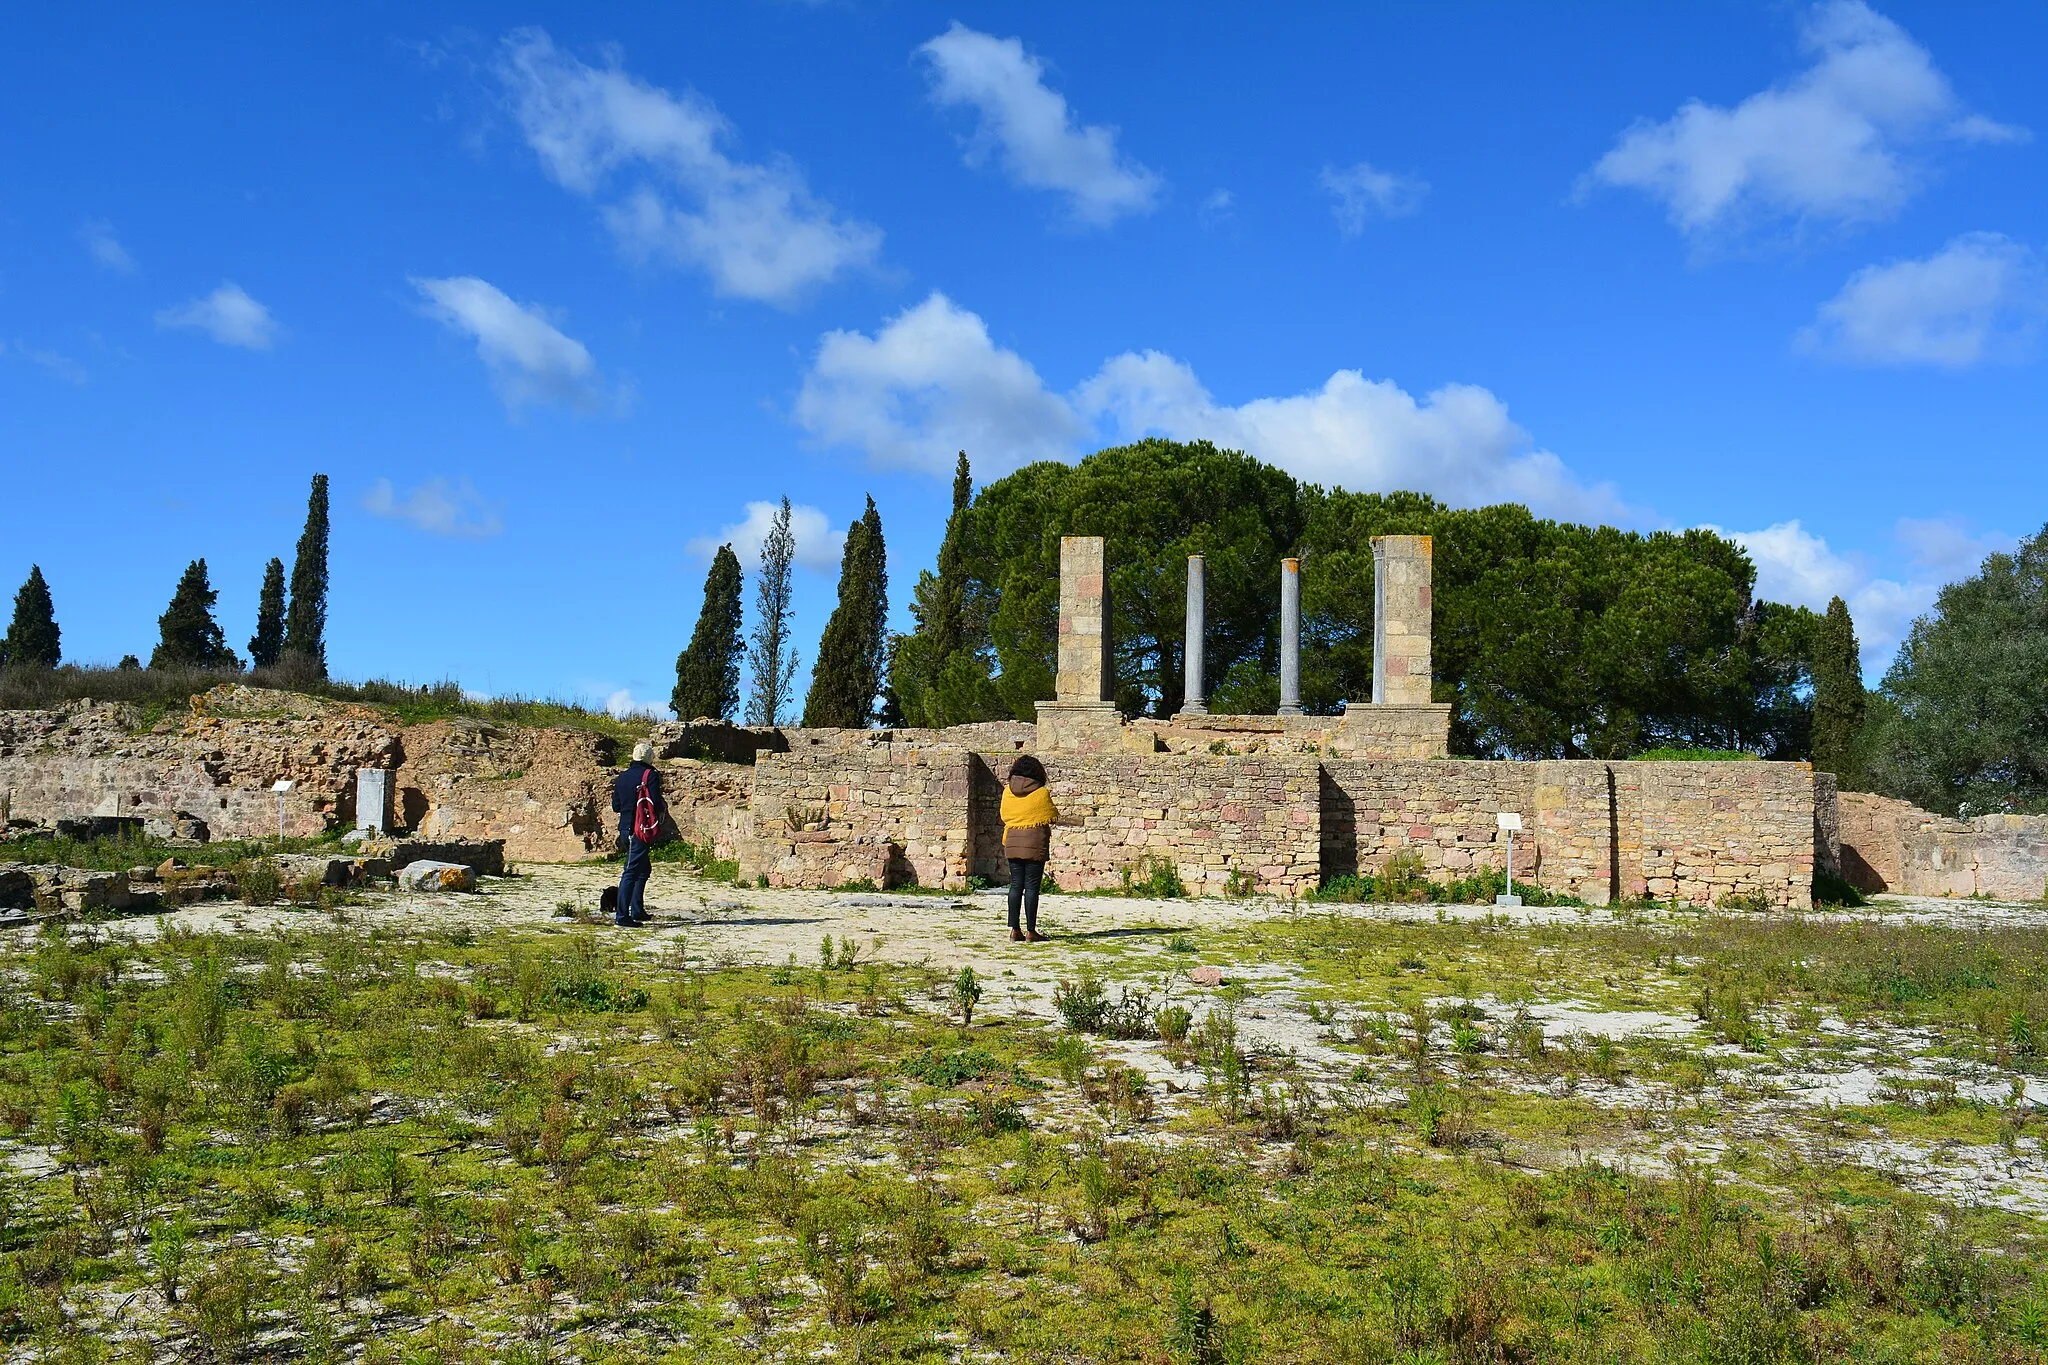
x=1509 y=821
x=281 y=786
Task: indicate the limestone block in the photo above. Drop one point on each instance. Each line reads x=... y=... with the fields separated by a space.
x=427 y=875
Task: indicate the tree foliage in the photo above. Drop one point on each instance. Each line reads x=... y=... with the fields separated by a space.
x=847 y=679
x=772 y=659
x=189 y=637
x=32 y=636
x=708 y=669
x=305 y=622
x=1838 y=695
x=1962 y=716
x=266 y=646
x=1551 y=639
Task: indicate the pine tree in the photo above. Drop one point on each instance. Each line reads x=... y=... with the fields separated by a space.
x=772 y=661
x=708 y=672
x=267 y=644
x=848 y=675
x=191 y=638
x=305 y=621
x=1838 y=696
x=32 y=637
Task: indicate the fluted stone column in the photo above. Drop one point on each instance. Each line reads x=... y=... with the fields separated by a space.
x=1196 y=693
x=1290 y=637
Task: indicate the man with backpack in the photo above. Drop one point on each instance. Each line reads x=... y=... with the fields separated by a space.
x=636 y=796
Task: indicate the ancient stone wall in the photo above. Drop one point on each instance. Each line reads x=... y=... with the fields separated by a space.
x=891 y=814
x=545 y=791
x=1692 y=832
x=1889 y=845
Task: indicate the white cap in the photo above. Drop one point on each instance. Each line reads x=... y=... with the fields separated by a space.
x=643 y=752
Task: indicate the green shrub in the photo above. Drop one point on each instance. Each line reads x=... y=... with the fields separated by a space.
x=257 y=882
x=1155 y=877
x=1828 y=889
x=949 y=1069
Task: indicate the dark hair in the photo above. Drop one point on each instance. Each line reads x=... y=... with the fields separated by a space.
x=1028 y=766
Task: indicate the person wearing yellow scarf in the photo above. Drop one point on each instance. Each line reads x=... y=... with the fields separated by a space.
x=1028 y=814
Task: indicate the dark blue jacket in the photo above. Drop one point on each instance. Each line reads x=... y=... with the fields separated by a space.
x=626 y=793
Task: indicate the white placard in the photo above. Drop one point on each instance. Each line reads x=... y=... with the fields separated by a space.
x=282 y=785
x=1509 y=819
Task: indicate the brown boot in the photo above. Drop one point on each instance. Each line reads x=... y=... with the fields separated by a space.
x=1033 y=936
x=1016 y=936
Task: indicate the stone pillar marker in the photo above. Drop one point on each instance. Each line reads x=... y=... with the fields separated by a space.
x=1191 y=657
x=1084 y=676
x=1401 y=620
x=373 y=800
x=1082 y=716
x=1290 y=637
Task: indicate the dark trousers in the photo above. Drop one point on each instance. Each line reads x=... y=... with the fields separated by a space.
x=633 y=883
x=1025 y=875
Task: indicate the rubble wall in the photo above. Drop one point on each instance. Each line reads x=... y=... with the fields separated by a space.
x=1890 y=845
x=825 y=816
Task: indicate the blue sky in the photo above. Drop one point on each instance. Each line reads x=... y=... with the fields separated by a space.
x=563 y=302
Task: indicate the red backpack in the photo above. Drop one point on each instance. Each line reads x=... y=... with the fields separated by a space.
x=646 y=819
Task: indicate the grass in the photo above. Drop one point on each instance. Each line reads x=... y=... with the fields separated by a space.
x=1403 y=880
x=157 y=693
x=410 y=1143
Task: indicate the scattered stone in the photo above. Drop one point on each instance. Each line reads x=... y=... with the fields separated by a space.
x=177 y=827
x=354 y=837
x=168 y=866
x=428 y=875
x=1206 y=976
x=484 y=857
x=141 y=874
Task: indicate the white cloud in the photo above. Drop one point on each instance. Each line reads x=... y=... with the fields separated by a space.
x=1030 y=126
x=621 y=704
x=1795 y=565
x=55 y=362
x=228 y=315
x=819 y=544
x=930 y=382
x=101 y=243
x=1833 y=142
x=1981 y=297
x=754 y=228
x=1362 y=193
x=530 y=360
x=439 y=507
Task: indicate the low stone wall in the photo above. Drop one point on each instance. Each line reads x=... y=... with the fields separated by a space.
x=1889 y=845
x=1372 y=732
x=889 y=814
x=1691 y=832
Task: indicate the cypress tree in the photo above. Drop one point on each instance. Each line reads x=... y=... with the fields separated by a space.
x=266 y=646
x=708 y=672
x=947 y=628
x=1838 y=696
x=32 y=637
x=191 y=638
x=848 y=675
x=305 y=621
x=772 y=661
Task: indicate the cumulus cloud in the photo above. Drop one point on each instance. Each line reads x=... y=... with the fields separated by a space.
x=621 y=704
x=530 y=360
x=228 y=315
x=930 y=382
x=1981 y=297
x=819 y=544
x=440 y=507
x=1795 y=565
x=1834 y=142
x=1028 y=126
x=105 y=248
x=1361 y=193
x=669 y=190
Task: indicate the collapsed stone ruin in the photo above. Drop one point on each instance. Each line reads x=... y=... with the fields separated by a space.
x=1272 y=804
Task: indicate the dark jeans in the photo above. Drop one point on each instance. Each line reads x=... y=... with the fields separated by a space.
x=633 y=883
x=1024 y=878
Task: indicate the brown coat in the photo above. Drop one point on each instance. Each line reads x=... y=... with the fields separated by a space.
x=1027 y=820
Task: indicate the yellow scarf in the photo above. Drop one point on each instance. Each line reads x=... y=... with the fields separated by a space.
x=1022 y=812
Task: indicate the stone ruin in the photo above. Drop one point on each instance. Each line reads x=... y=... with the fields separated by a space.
x=1273 y=804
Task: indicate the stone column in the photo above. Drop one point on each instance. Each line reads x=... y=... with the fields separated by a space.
x=1191 y=657
x=1290 y=637
x=1401 y=620
x=1085 y=674
x=1081 y=717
